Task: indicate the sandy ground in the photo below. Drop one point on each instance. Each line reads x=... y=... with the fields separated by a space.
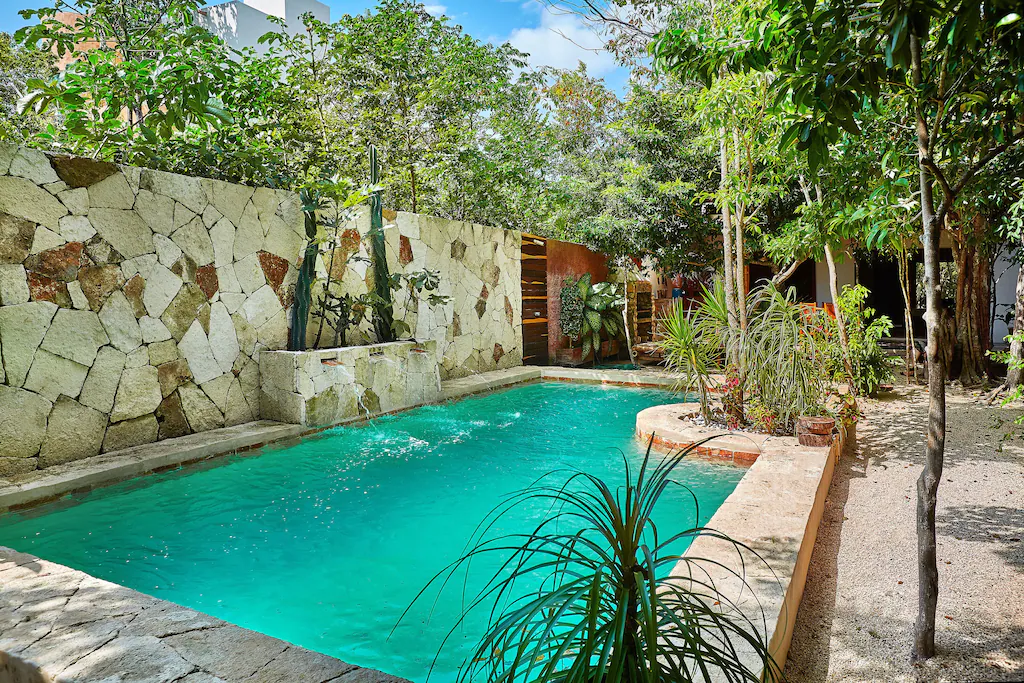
x=856 y=619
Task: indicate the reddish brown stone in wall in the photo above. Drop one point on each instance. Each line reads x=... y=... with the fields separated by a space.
x=349 y=240
x=404 y=250
x=274 y=267
x=98 y=282
x=388 y=214
x=510 y=314
x=60 y=263
x=134 y=289
x=42 y=288
x=498 y=352
x=206 y=278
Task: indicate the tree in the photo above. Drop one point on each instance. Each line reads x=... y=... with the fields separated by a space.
x=459 y=132
x=954 y=70
x=153 y=88
x=18 y=65
x=627 y=174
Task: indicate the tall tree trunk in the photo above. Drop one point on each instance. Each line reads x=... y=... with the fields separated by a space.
x=972 y=302
x=844 y=340
x=931 y=475
x=903 y=264
x=741 y=276
x=1015 y=377
x=727 y=253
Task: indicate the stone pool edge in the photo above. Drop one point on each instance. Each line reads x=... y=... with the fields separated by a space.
x=773 y=516
x=74 y=627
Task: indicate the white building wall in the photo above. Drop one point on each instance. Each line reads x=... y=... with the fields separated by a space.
x=1004 y=293
x=241 y=23
x=846 y=274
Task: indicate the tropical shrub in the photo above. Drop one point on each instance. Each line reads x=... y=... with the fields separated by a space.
x=688 y=353
x=779 y=370
x=872 y=366
x=590 y=309
x=780 y=356
x=617 y=601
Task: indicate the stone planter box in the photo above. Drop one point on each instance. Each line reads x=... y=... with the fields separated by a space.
x=326 y=386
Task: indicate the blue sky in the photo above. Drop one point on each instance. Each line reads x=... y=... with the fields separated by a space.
x=551 y=39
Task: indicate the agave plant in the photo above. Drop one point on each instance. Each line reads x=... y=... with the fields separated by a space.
x=618 y=603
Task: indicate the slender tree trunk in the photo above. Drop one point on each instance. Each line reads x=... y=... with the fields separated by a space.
x=903 y=263
x=741 y=276
x=844 y=340
x=727 y=253
x=931 y=475
x=1015 y=377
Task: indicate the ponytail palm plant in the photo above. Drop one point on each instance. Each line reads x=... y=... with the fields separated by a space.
x=597 y=592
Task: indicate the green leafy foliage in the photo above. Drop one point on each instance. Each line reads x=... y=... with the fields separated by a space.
x=616 y=601
x=18 y=66
x=156 y=89
x=872 y=366
x=588 y=309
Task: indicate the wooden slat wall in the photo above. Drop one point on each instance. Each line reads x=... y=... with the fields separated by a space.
x=535 y=300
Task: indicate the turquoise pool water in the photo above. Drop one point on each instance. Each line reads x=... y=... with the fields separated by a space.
x=325 y=543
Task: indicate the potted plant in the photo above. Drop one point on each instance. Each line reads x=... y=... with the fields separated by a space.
x=587 y=311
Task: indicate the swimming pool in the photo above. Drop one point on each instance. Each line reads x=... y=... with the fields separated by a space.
x=325 y=543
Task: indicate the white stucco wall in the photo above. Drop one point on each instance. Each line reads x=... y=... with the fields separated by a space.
x=1004 y=293
x=240 y=23
x=846 y=274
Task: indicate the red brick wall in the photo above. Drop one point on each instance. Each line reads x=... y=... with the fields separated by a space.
x=568 y=260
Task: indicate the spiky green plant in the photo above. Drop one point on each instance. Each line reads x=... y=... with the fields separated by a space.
x=617 y=601
x=782 y=363
x=691 y=351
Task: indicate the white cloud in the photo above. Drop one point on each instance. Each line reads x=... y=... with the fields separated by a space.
x=562 y=41
x=436 y=10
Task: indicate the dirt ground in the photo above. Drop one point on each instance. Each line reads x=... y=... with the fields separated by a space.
x=857 y=615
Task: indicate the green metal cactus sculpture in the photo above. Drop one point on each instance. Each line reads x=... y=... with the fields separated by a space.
x=383 y=308
x=307 y=273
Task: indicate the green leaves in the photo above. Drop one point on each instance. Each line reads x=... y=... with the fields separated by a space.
x=611 y=598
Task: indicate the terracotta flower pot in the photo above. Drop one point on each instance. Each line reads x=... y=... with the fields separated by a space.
x=815 y=431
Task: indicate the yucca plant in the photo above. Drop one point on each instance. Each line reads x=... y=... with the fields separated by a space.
x=783 y=365
x=691 y=352
x=597 y=592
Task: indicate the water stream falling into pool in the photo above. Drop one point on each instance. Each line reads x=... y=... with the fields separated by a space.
x=325 y=543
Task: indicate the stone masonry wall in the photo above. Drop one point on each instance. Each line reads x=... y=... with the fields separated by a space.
x=133 y=304
x=480 y=327
x=320 y=388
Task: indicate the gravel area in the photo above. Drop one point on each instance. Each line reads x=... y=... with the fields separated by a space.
x=857 y=615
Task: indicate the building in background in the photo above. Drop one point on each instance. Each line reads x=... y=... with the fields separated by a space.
x=240 y=23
